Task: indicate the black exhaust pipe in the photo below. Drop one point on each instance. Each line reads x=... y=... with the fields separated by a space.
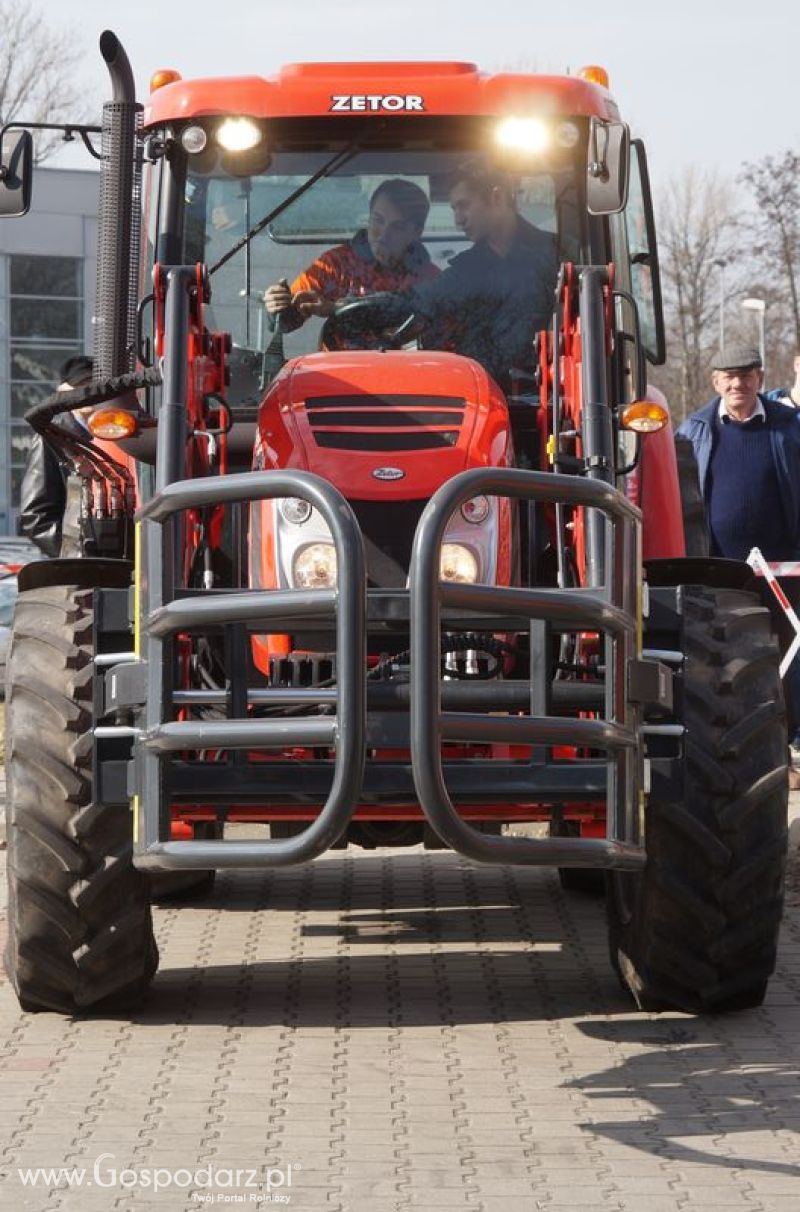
x=119 y=219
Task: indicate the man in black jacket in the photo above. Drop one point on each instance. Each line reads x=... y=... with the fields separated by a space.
x=43 y=493
x=493 y=298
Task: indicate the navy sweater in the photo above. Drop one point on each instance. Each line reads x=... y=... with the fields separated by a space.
x=744 y=500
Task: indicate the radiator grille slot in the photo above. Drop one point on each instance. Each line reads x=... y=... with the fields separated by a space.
x=385 y=422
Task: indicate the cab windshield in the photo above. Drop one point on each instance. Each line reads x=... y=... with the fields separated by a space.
x=220 y=207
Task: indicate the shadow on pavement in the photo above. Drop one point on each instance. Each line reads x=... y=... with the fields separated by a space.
x=704 y=1078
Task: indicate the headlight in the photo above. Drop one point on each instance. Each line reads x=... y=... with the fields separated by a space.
x=567 y=134
x=457 y=563
x=194 y=139
x=238 y=134
x=295 y=510
x=314 y=566
x=523 y=134
x=475 y=510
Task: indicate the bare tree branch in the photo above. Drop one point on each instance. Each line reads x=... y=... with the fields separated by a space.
x=698 y=230
x=39 y=68
x=774 y=237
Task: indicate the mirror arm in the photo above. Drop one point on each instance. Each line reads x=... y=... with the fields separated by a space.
x=598 y=166
x=70 y=129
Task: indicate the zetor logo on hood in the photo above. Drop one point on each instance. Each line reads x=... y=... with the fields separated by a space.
x=372 y=101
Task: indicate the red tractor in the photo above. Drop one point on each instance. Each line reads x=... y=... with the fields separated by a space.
x=343 y=580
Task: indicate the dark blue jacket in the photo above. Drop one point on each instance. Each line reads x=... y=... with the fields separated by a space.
x=489 y=307
x=784 y=426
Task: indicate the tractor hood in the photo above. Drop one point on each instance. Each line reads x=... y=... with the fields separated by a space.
x=390 y=426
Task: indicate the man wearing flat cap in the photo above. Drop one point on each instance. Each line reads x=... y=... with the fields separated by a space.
x=747 y=448
x=748 y=461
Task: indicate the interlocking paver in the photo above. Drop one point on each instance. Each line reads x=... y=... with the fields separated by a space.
x=407 y=1031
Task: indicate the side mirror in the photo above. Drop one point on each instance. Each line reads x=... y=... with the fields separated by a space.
x=607 y=169
x=16 y=173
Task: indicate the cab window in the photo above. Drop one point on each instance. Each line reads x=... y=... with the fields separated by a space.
x=643 y=258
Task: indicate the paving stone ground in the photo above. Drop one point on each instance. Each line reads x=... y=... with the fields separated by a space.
x=405 y=1030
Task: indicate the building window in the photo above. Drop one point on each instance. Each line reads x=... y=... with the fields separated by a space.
x=47 y=277
x=45 y=323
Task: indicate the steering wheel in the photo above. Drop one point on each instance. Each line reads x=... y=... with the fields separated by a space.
x=383 y=314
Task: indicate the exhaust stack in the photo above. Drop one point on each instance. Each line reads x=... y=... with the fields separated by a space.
x=119 y=219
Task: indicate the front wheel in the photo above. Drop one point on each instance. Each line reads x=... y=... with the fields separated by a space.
x=80 y=935
x=697 y=930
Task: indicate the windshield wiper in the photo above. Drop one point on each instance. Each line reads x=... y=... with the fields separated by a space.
x=331 y=166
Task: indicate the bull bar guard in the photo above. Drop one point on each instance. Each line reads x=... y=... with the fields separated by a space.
x=344 y=732
x=612 y=608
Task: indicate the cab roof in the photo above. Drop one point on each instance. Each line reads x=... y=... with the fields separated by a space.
x=317 y=89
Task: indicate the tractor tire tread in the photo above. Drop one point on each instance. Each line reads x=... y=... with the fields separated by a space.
x=700 y=930
x=80 y=935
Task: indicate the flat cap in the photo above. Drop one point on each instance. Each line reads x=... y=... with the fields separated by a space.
x=736 y=357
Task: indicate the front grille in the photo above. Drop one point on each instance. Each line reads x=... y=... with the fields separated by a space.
x=386 y=442
x=385 y=422
x=388 y=528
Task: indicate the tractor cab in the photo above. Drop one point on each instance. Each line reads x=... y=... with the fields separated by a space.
x=288 y=180
x=329 y=237
x=416 y=359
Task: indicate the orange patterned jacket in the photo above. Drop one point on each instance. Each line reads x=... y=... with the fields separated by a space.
x=351 y=269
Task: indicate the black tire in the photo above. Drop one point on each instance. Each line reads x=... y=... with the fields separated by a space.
x=695 y=522
x=184 y=886
x=588 y=881
x=697 y=930
x=173 y=886
x=80 y=935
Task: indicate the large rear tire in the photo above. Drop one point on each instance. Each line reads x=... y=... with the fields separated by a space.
x=80 y=934
x=697 y=930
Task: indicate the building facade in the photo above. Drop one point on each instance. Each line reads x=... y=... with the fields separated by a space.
x=47 y=289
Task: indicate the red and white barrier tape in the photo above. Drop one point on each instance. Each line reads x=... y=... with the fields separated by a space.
x=771 y=570
x=780 y=568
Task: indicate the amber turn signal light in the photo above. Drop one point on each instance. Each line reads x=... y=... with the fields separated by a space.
x=166 y=75
x=644 y=416
x=595 y=74
x=112 y=423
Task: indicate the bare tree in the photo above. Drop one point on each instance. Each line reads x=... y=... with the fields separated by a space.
x=774 y=183
x=697 y=241
x=39 y=68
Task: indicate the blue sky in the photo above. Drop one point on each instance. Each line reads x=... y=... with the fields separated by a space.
x=709 y=84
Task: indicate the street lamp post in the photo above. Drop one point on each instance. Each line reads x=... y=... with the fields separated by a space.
x=759 y=306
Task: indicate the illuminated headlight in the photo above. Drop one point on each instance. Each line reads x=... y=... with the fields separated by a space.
x=194 y=139
x=295 y=510
x=238 y=134
x=523 y=134
x=457 y=563
x=314 y=566
x=476 y=510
